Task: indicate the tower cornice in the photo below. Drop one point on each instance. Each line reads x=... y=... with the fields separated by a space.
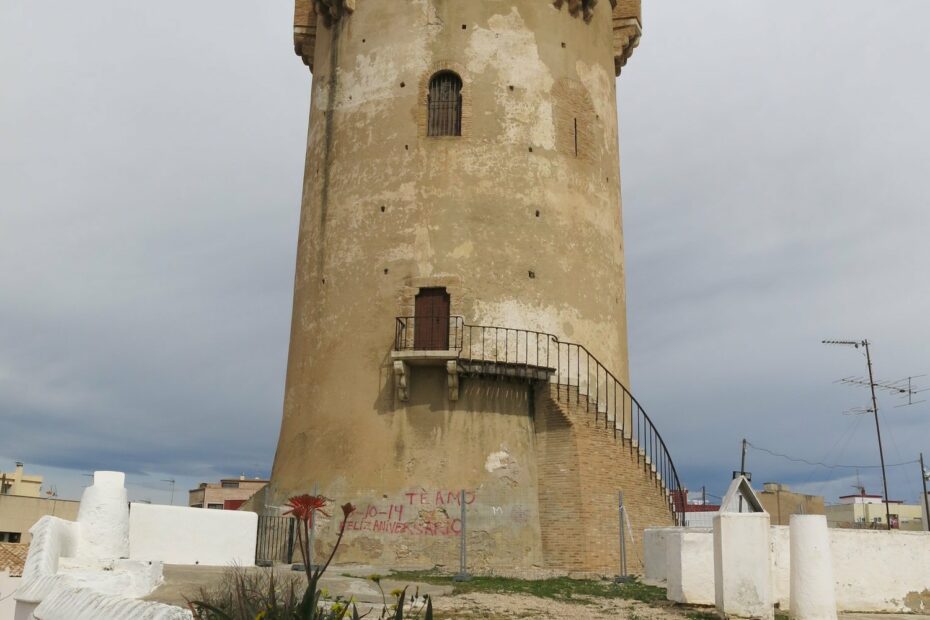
x=626 y=16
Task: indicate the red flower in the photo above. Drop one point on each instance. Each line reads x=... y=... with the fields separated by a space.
x=303 y=507
x=347 y=509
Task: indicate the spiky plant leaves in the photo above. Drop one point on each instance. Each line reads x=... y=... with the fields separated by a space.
x=198 y=607
x=399 y=613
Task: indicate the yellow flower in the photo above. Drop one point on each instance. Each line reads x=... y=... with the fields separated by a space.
x=396 y=592
x=338 y=608
x=376 y=578
x=324 y=593
x=261 y=615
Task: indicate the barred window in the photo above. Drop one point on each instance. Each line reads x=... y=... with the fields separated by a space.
x=445 y=105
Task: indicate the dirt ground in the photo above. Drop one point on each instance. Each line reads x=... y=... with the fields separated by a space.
x=487 y=606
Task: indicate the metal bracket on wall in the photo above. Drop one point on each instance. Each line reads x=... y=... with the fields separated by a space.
x=452 y=367
x=402 y=380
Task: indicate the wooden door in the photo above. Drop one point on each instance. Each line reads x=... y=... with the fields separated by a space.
x=431 y=320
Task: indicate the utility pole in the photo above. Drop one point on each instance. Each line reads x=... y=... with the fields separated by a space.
x=742 y=462
x=742 y=470
x=878 y=430
x=171 y=482
x=924 y=476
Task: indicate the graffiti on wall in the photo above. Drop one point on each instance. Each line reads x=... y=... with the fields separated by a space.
x=419 y=513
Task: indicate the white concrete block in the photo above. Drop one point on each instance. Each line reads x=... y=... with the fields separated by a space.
x=690 y=562
x=179 y=535
x=742 y=567
x=812 y=585
x=104 y=518
x=655 y=541
x=109 y=479
x=780 y=551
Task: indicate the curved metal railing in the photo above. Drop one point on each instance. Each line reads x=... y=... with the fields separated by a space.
x=576 y=373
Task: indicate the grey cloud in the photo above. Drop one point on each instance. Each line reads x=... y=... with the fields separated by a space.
x=775 y=161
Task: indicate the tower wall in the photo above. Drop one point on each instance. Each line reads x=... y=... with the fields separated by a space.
x=518 y=218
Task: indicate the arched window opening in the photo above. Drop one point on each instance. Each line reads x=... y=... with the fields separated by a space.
x=445 y=105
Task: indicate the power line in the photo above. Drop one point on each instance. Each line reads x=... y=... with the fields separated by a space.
x=826 y=465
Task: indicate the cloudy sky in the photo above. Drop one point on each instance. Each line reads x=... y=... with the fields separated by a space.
x=776 y=162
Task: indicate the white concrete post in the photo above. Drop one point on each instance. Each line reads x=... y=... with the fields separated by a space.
x=813 y=596
x=104 y=518
x=691 y=566
x=742 y=567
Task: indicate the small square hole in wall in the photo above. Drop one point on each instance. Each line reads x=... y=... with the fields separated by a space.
x=537 y=212
x=531 y=149
x=403 y=84
x=382 y=208
x=563 y=44
x=532 y=275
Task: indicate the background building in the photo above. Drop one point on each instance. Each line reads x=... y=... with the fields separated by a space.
x=227 y=494
x=864 y=511
x=780 y=502
x=21 y=505
x=18 y=483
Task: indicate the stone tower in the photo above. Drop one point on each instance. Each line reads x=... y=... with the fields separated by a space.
x=459 y=315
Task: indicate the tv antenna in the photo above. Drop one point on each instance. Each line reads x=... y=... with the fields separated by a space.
x=878 y=431
x=857 y=411
x=171 y=482
x=903 y=388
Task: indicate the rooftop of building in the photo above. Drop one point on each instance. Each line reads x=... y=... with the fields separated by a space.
x=232 y=483
x=13 y=558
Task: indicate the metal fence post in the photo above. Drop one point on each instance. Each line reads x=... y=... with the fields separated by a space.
x=463 y=548
x=621 y=511
x=289 y=558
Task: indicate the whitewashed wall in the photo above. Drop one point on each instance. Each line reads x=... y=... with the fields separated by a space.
x=180 y=535
x=874 y=570
x=7 y=602
x=881 y=571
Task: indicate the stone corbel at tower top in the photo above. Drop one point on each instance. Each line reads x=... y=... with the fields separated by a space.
x=628 y=28
x=626 y=16
x=307 y=14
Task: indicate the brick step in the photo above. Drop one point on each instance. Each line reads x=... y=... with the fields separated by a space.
x=570 y=395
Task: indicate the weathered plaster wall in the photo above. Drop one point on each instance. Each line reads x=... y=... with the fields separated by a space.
x=387 y=210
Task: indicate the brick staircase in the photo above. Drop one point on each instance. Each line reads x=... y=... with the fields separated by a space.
x=594 y=441
x=582 y=466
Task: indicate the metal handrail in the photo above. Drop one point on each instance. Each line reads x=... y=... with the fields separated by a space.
x=570 y=365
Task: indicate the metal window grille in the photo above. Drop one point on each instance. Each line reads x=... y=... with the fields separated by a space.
x=445 y=105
